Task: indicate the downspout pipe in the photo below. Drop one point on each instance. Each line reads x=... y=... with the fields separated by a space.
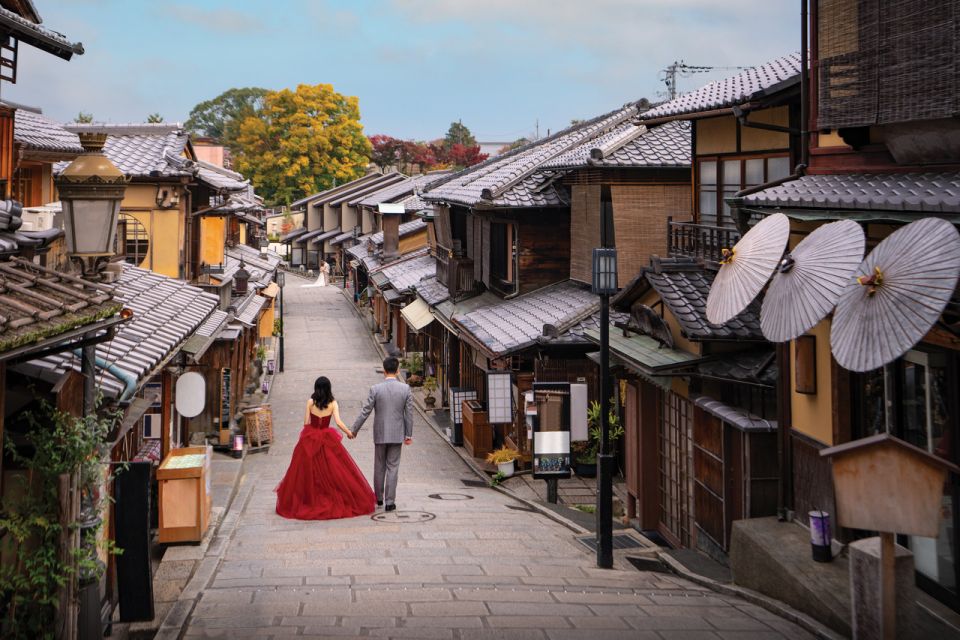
x=129 y=382
x=804 y=87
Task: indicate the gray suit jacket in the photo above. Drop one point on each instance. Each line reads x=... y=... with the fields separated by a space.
x=393 y=403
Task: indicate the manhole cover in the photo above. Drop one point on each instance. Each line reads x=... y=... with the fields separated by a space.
x=403 y=517
x=620 y=541
x=474 y=483
x=450 y=496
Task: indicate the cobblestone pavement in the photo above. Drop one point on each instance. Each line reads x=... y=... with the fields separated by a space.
x=474 y=564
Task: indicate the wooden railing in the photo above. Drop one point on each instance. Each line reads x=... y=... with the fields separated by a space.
x=455 y=272
x=699 y=241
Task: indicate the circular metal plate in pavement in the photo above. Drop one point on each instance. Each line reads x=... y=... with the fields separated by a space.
x=450 y=496
x=403 y=517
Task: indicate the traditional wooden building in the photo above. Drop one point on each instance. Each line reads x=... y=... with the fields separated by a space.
x=882 y=151
x=39 y=143
x=699 y=409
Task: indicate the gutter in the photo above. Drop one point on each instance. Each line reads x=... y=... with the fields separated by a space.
x=129 y=382
x=736 y=202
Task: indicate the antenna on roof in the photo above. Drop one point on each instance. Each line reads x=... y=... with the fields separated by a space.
x=669 y=75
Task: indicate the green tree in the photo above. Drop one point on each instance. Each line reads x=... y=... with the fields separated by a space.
x=302 y=142
x=458 y=133
x=220 y=117
x=83 y=118
x=154 y=118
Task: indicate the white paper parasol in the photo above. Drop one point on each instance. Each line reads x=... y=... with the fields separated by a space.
x=810 y=279
x=747 y=267
x=897 y=294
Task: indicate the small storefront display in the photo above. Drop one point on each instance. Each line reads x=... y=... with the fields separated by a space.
x=551 y=430
x=184 y=483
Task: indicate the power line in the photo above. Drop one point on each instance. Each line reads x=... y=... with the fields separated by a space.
x=669 y=75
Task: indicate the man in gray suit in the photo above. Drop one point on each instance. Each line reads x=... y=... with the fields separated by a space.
x=392 y=425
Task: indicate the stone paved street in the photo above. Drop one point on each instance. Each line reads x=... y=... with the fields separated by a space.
x=473 y=565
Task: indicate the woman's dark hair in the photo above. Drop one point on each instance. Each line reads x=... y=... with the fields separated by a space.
x=322 y=393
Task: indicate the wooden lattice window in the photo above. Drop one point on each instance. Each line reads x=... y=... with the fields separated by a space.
x=675 y=449
x=133 y=241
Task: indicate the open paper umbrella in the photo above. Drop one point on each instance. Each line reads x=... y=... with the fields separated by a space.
x=899 y=292
x=747 y=267
x=810 y=279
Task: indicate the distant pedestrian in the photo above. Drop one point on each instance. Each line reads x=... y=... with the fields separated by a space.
x=392 y=402
x=323 y=482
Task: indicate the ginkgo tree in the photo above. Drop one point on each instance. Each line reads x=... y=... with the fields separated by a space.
x=301 y=142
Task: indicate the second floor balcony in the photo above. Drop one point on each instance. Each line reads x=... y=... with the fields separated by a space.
x=699 y=241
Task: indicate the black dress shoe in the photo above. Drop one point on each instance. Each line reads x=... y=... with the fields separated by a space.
x=379 y=503
x=390 y=507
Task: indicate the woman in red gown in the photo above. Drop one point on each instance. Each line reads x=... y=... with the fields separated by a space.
x=323 y=482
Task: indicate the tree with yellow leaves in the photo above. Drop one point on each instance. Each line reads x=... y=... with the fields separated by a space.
x=302 y=142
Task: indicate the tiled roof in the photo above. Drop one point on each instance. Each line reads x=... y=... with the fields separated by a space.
x=757 y=367
x=400 y=190
x=405 y=273
x=206 y=334
x=415 y=204
x=292 y=235
x=748 y=84
x=34 y=132
x=261 y=270
x=346 y=235
x=684 y=291
x=511 y=325
x=360 y=250
x=38 y=303
x=13 y=238
x=356 y=193
x=927 y=192
x=32 y=33
x=166 y=312
x=326 y=235
x=631 y=145
x=517 y=178
x=142 y=150
x=248 y=308
x=432 y=292
x=333 y=192
x=220 y=178
x=405 y=229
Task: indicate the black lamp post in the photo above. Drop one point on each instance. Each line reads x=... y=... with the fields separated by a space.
x=605 y=285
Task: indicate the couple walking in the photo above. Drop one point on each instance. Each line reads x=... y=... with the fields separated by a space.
x=323 y=482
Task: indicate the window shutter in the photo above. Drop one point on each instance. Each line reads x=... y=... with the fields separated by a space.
x=442 y=221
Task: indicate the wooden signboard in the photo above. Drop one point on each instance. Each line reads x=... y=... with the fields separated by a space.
x=551 y=430
x=185 y=500
x=225 y=387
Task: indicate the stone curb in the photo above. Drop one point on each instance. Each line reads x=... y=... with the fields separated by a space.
x=772 y=605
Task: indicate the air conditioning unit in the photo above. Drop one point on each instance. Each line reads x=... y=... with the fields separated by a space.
x=152 y=425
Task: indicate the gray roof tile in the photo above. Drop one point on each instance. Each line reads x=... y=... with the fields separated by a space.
x=631 y=145
x=142 y=150
x=731 y=91
x=166 y=312
x=38 y=36
x=261 y=270
x=34 y=132
x=518 y=178
x=511 y=325
x=926 y=192
x=403 y=274
x=400 y=190
x=432 y=291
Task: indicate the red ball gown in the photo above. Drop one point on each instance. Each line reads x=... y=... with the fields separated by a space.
x=323 y=482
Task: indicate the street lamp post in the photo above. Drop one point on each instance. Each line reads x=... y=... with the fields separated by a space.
x=605 y=285
x=91 y=189
x=281 y=279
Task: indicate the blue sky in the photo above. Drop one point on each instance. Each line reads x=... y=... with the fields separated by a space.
x=416 y=65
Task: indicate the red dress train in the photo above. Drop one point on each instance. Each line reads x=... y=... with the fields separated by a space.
x=323 y=482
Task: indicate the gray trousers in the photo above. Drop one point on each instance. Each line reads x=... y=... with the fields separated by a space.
x=386 y=467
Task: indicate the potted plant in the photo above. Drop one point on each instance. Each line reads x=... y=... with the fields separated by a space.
x=504 y=458
x=585 y=452
x=429 y=386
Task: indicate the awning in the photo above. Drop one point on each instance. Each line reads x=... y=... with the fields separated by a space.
x=293 y=235
x=325 y=236
x=738 y=418
x=643 y=353
x=271 y=290
x=134 y=412
x=392 y=295
x=664 y=382
x=417 y=314
x=380 y=279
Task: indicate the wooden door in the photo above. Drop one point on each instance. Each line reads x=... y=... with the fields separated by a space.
x=675 y=450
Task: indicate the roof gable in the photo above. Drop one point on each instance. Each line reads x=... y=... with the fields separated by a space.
x=143 y=150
